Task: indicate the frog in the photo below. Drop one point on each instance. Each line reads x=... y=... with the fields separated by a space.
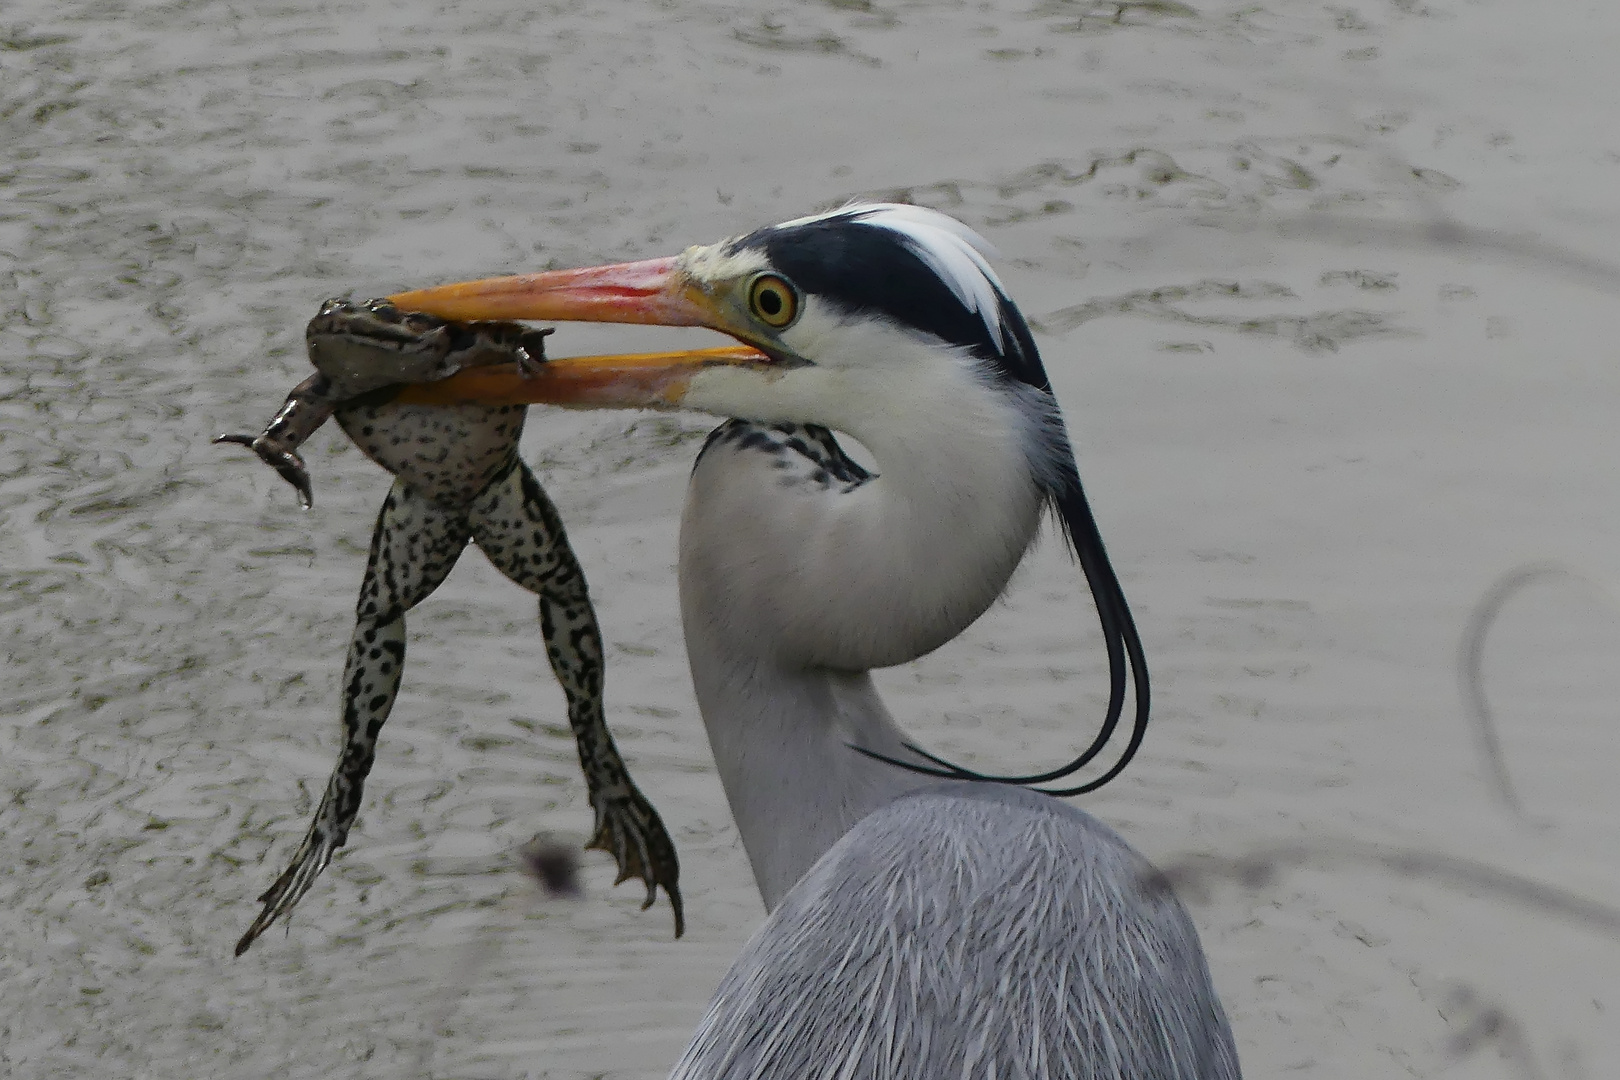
x=458 y=480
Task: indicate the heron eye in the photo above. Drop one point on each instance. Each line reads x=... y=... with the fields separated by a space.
x=773 y=300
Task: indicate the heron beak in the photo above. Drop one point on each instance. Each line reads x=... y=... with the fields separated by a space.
x=627 y=380
x=651 y=292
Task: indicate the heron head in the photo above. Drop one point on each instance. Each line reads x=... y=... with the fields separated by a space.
x=850 y=318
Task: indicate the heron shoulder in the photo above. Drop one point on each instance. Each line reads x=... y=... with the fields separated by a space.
x=974 y=842
x=971 y=931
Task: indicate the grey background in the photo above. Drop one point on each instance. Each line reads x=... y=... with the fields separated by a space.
x=1314 y=428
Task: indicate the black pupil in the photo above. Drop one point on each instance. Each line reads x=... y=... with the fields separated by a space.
x=770 y=301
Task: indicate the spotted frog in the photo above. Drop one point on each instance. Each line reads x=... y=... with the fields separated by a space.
x=458 y=479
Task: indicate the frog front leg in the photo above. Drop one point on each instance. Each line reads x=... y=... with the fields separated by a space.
x=413 y=549
x=520 y=531
x=310 y=405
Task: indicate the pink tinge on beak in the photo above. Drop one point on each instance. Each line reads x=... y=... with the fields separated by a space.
x=651 y=291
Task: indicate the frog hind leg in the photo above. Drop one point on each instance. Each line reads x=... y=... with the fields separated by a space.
x=516 y=526
x=413 y=549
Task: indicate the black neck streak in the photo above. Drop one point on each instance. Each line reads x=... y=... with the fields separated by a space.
x=804 y=452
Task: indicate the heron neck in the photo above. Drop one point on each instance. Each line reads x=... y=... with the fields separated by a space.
x=782 y=742
x=792 y=590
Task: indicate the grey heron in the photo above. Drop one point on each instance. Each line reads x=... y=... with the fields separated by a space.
x=926 y=920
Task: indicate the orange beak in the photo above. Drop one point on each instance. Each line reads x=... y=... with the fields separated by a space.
x=652 y=292
x=628 y=380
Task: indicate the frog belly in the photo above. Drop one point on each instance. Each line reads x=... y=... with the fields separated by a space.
x=448 y=454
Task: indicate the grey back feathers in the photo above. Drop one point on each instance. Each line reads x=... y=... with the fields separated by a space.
x=978 y=932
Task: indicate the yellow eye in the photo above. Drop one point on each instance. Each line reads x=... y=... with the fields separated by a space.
x=773 y=300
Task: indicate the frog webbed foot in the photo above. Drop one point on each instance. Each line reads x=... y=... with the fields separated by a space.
x=629 y=829
x=322 y=840
x=279 y=457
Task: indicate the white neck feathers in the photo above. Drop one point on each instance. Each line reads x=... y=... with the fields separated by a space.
x=791 y=591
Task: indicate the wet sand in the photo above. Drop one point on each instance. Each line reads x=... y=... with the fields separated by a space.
x=1325 y=294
